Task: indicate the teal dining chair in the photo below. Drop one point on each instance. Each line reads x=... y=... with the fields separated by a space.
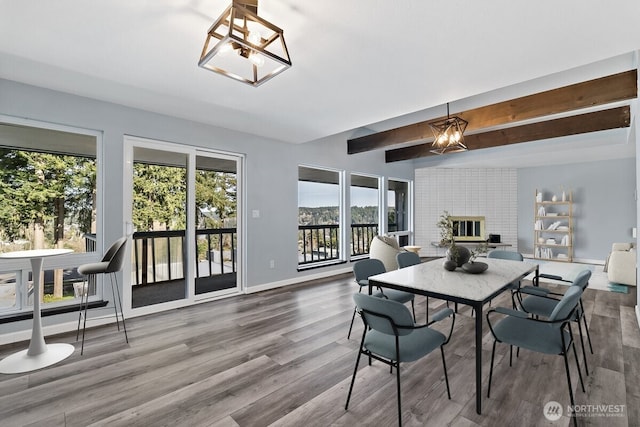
x=549 y=336
x=366 y=268
x=540 y=301
x=508 y=255
x=407 y=259
x=391 y=336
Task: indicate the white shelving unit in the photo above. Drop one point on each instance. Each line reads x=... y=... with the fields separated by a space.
x=553 y=227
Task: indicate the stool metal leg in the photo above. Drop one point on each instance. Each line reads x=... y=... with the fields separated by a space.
x=84 y=300
x=118 y=302
x=115 y=303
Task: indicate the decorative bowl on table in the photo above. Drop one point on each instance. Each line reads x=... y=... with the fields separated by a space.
x=475 y=267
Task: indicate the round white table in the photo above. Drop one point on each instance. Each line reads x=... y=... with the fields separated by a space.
x=39 y=354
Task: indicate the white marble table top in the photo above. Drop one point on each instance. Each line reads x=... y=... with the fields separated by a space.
x=430 y=278
x=35 y=253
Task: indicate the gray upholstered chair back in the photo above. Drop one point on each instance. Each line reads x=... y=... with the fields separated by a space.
x=380 y=314
x=566 y=305
x=115 y=255
x=367 y=267
x=582 y=279
x=502 y=254
x=405 y=259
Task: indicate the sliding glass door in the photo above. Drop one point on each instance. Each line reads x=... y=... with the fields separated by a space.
x=159 y=218
x=216 y=209
x=184 y=217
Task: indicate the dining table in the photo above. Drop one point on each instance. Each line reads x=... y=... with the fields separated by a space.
x=431 y=279
x=39 y=354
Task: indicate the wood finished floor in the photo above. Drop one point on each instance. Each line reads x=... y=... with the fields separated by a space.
x=281 y=358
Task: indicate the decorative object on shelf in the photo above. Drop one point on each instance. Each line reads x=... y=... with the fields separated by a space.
x=475 y=267
x=564 y=196
x=245 y=47
x=554 y=198
x=448 y=134
x=456 y=253
x=539 y=197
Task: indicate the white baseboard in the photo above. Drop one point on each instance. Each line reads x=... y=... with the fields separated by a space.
x=296 y=280
x=638 y=314
x=59 y=328
x=576 y=260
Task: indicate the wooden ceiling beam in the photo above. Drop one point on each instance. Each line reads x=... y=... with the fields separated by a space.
x=600 y=91
x=613 y=118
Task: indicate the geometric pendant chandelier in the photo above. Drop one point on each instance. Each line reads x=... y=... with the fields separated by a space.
x=448 y=134
x=243 y=46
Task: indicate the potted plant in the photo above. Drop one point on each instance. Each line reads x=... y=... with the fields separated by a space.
x=457 y=255
x=473 y=266
x=482 y=248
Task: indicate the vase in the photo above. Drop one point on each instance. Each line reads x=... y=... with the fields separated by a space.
x=459 y=254
x=450 y=265
x=475 y=267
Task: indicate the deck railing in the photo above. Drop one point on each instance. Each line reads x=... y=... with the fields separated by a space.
x=158 y=256
x=320 y=243
x=361 y=236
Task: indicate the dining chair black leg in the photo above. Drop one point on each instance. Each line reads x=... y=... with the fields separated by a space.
x=398 y=392
x=355 y=371
x=578 y=366
x=353 y=318
x=586 y=327
x=566 y=367
x=446 y=377
x=510 y=355
x=584 y=353
x=493 y=353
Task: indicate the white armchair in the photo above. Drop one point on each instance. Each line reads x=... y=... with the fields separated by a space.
x=621 y=265
x=385 y=248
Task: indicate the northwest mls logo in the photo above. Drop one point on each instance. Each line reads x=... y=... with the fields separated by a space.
x=552 y=411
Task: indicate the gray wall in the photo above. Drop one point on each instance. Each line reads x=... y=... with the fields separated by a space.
x=271 y=167
x=271 y=172
x=604 y=203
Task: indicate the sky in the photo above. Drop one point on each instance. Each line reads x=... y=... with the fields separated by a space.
x=313 y=195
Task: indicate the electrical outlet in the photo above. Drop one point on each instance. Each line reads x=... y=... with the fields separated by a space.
x=272 y=264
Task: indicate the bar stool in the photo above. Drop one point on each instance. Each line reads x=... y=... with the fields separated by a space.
x=111 y=263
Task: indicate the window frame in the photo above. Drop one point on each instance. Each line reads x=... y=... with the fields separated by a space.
x=22 y=268
x=380 y=206
x=341 y=233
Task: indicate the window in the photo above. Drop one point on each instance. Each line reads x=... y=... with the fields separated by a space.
x=398 y=208
x=48 y=196
x=319 y=213
x=365 y=212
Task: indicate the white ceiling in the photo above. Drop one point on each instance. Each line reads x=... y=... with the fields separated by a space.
x=355 y=62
